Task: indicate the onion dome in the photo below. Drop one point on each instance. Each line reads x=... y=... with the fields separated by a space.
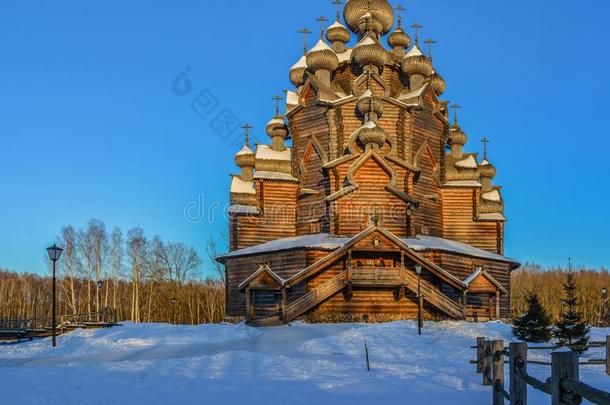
x=297 y=72
x=371 y=134
x=381 y=11
x=322 y=57
x=369 y=52
x=399 y=39
x=487 y=170
x=277 y=127
x=370 y=106
x=438 y=84
x=457 y=136
x=338 y=33
x=416 y=63
x=368 y=24
x=245 y=157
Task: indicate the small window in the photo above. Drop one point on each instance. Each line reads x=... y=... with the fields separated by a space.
x=315 y=227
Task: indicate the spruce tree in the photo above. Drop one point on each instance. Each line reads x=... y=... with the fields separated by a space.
x=571 y=330
x=535 y=325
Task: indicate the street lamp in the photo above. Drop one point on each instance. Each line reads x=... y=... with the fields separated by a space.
x=100 y=285
x=418 y=270
x=54 y=255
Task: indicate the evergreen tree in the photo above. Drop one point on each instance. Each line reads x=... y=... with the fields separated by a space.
x=571 y=330
x=535 y=325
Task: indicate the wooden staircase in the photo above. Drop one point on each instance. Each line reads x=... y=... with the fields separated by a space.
x=433 y=296
x=316 y=297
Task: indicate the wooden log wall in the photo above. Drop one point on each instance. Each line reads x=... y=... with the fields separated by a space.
x=459 y=205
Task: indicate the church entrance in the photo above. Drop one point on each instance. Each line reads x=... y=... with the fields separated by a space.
x=265 y=304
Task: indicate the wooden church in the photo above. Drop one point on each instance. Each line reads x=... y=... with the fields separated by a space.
x=364 y=191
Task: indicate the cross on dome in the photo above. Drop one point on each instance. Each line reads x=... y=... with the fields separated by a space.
x=305 y=33
x=399 y=10
x=430 y=42
x=246 y=128
x=455 y=108
x=277 y=100
x=322 y=20
x=338 y=3
x=417 y=26
x=485 y=141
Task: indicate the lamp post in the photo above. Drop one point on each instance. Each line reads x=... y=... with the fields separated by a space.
x=54 y=255
x=418 y=270
x=100 y=285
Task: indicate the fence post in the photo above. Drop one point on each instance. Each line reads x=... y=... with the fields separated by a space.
x=564 y=364
x=518 y=387
x=498 y=371
x=480 y=354
x=487 y=363
x=608 y=355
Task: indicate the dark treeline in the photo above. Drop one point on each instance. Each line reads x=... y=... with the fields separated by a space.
x=143 y=280
x=547 y=283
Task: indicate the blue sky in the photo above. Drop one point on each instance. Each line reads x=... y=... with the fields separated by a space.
x=90 y=127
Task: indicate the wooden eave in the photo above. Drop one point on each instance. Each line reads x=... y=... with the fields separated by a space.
x=261 y=270
x=490 y=278
x=410 y=254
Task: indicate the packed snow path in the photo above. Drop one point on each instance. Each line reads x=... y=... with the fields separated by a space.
x=236 y=364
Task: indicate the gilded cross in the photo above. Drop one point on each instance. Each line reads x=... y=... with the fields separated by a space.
x=322 y=20
x=485 y=142
x=305 y=33
x=277 y=100
x=399 y=9
x=338 y=3
x=417 y=27
x=430 y=42
x=246 y=128
x=455 y=107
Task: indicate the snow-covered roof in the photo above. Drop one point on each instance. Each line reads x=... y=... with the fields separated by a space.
x=243 y=209
x=264 y=152
x=463 y=183
x=292 y=98
x=302 y=63
x=494 y=216
x=242 y=187
x=422 y=243
x=245 y=151
x=366 y=41
x=324 y=241
x=415 y=51
x=469 y=163
x=413 y=94
x=345 y=56
x=468 y=280
x=485 y=162
x=493 y=195
x=265 y=175
x=321 y=46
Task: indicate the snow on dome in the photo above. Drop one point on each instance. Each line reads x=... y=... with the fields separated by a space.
x=264 y=152
x=301 y=64
x=242 y=187
x=337 y=24
x=492 y=196
x=366 y=41
x=415 y=51
x=485 y=162
x=245 y=151
x=321 y=46
x=469 y=163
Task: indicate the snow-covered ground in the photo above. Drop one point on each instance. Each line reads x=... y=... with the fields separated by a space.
x=236 y=364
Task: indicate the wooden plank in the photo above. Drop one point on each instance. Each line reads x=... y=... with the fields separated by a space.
x=518 y=387
x=498 y=372
x=563 y=364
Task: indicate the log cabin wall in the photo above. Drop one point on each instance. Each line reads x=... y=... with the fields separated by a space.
x=284 y=264
x=459 y=224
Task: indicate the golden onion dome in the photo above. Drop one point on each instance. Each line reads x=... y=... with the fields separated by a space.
x=457 y=136
x=368 y=23
x=277 y=127
x=369 y=104
x=369 y=52
x=380 y=9
x=245 y=157
x=297 y=72
x=486 y=169
x=338 y=33
x=322 y=57
x=399 y=38
x=416 y=63
x=371 y=134
x=438 y=84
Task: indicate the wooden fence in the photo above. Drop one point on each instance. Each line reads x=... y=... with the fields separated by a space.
x=564 y=385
